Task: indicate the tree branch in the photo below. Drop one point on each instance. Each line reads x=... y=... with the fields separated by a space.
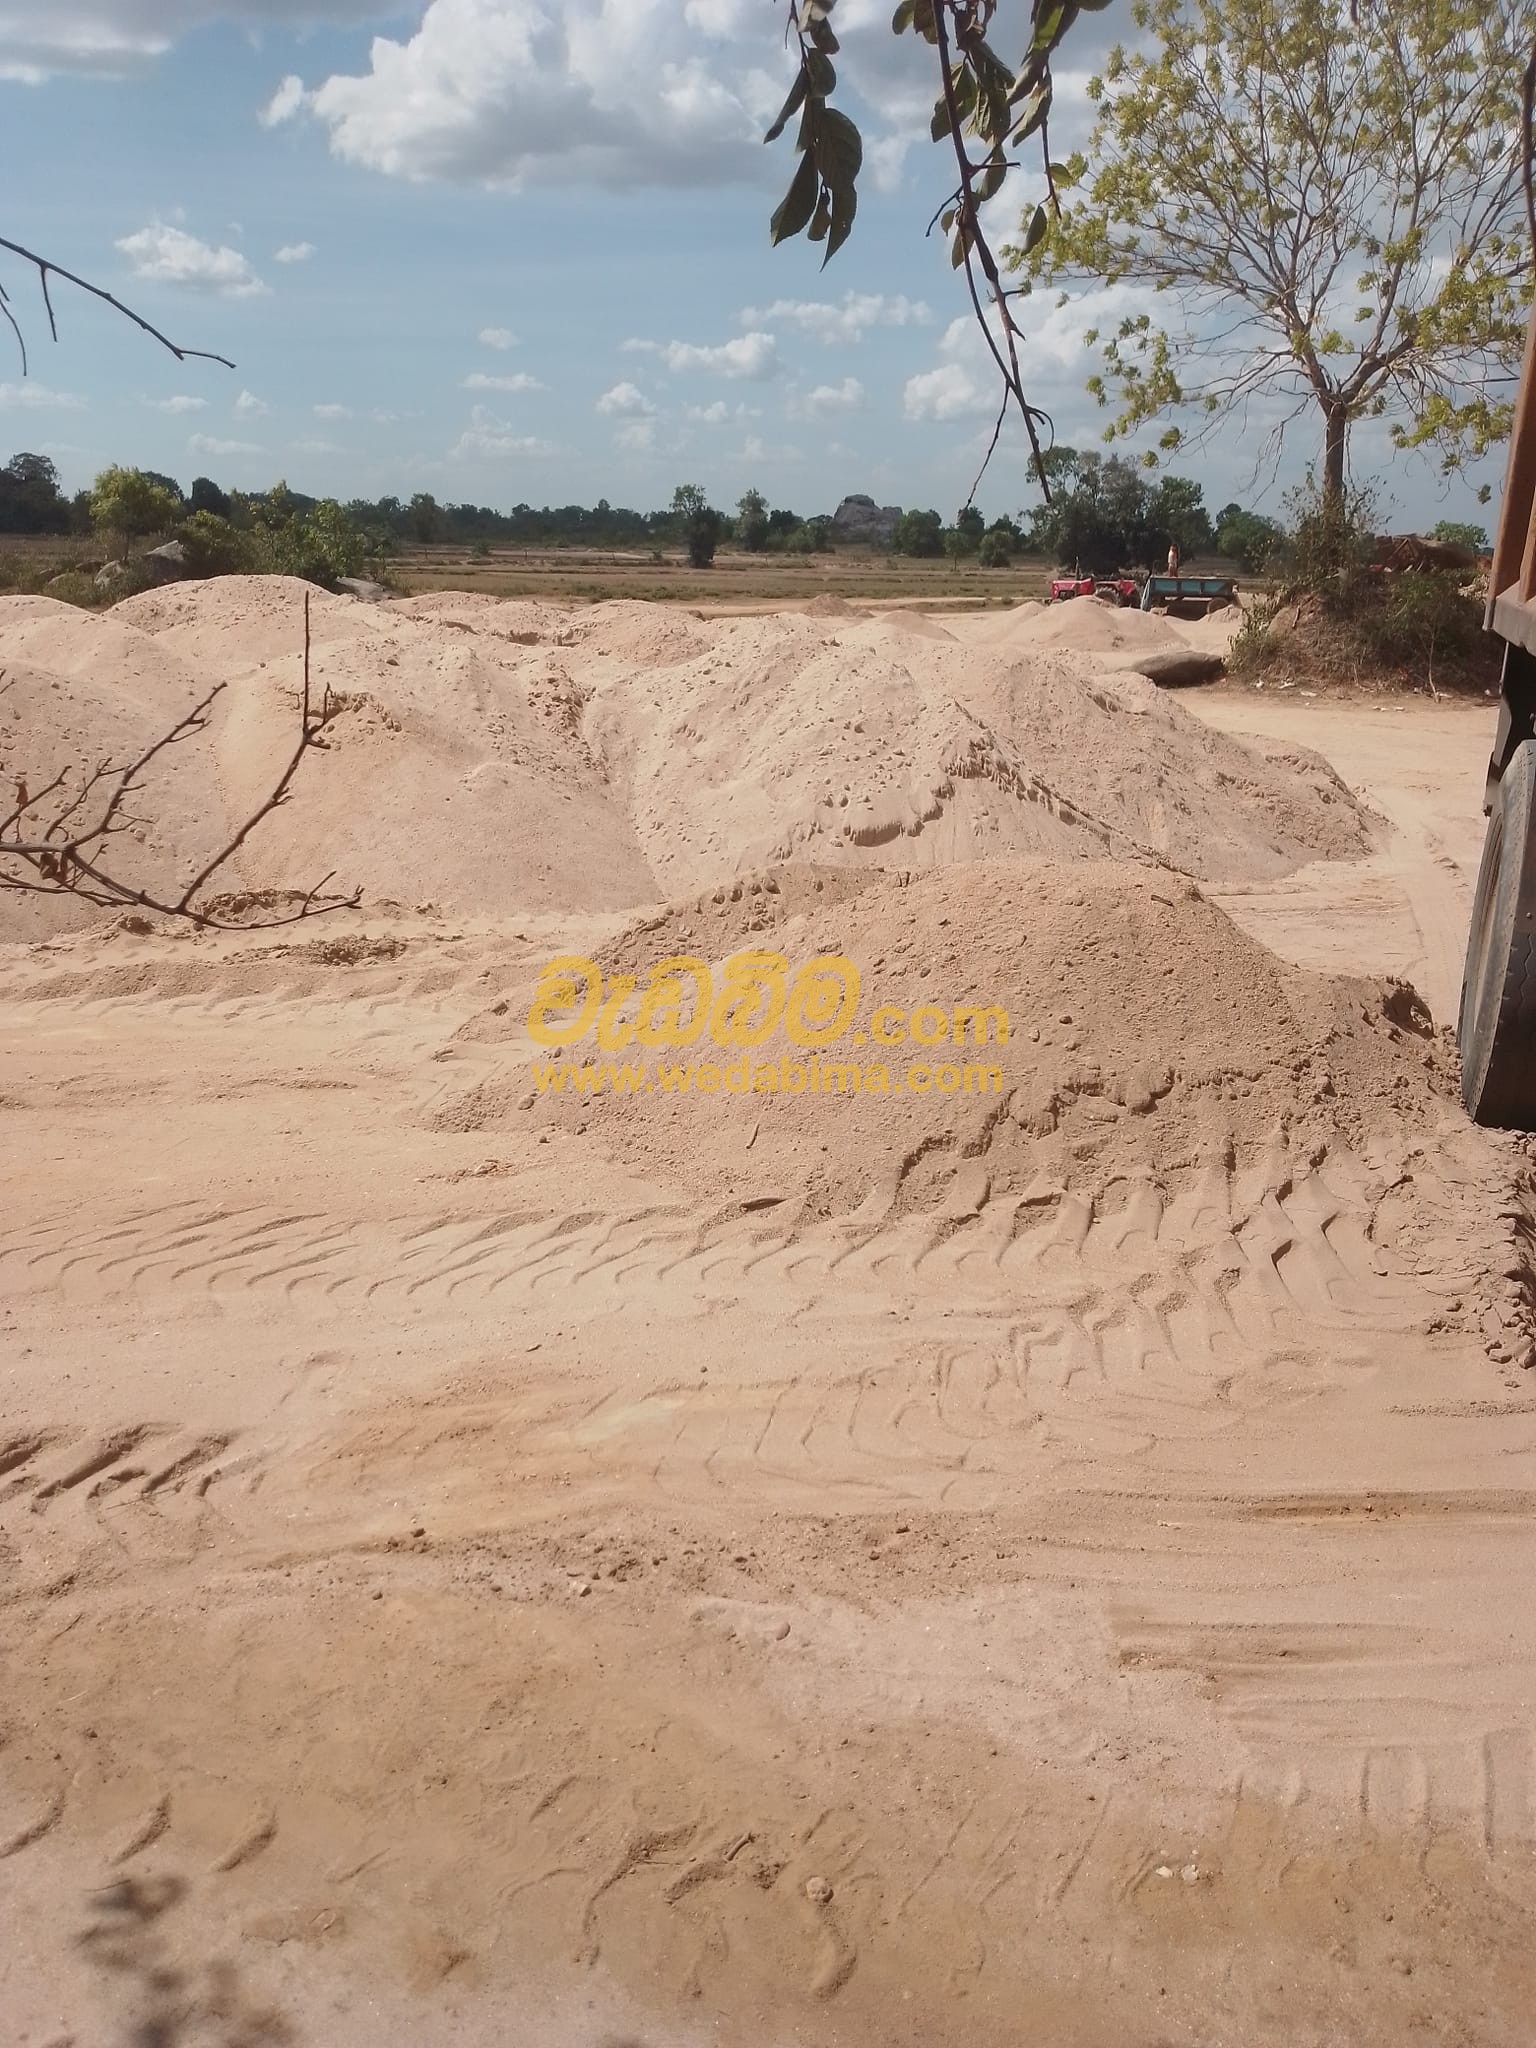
x=47 y=853
x=46 y=268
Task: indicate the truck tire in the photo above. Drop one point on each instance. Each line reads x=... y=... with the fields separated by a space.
x=1497 y=1026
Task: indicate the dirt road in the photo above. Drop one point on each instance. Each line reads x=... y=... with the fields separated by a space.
x=453 y=1588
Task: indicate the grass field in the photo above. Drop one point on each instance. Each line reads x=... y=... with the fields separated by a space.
x=737 y=582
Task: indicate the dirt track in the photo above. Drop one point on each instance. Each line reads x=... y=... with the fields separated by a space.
x=456 y=1588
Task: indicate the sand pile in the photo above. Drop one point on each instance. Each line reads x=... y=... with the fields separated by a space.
x=81 y=691
x=455 y=771
x=876 y=746
x=1148 y=1038
x=1087 y=626
x=491 y=758
x=637 y=634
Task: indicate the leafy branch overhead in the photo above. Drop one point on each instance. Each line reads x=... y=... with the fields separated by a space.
x=987 y=106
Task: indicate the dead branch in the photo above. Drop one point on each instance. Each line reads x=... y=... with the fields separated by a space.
x=46 y=268
x=57 y=840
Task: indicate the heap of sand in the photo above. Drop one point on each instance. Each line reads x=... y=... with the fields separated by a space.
x=494 y=758
x=1148 y=1038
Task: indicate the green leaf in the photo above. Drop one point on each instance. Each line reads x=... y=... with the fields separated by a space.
x=821 y=220
x=839 y=149
x=1035 y=233
x=790 y=107
x=845 y=204
x=902 y=19
x=822 y=74
x=938 y=127
x=798 y=203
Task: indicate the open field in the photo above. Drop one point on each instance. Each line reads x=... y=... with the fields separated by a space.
x=483 y=1561
x=736 y=582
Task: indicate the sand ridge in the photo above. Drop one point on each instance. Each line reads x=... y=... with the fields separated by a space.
x=489 y=757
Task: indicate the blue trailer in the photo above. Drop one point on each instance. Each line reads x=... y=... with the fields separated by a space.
x=1188 y=597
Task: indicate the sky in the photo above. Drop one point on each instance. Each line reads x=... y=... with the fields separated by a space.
x=517 y=251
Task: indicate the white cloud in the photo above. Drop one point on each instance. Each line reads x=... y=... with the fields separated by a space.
x=844 y=320
x=478 y=380
x=294 y=252
x=950 y=392
x=284 y=103
x=497 y=337
x=714 y=415
x=752 y=356
x=332 y=412
x=636 y=436
x=115 y=38
x=625 y=402
x=488 y=435
x=315 y=448
x=616 y=92
x=180 y=403
x=31 y=397
x=249 y=406
x=167 y=255
x=210 y=444
x=827 y=399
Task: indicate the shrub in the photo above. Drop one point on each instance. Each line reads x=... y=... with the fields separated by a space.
x=995 y=551
x=215 y=548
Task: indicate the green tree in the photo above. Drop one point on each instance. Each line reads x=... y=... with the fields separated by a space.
x=996 y=550
x=962 y=540
x=321 y=545
x=1461 y=533
x=205 y=496
x=30 y=498
x=699 y=523
x=1247 y=538
x=426 y=518
x=1335 y=205
x=1176 y=512
x=752 y=522
x=131 y=505
x=213 y=547
x=918 y=534
x=1103 y=522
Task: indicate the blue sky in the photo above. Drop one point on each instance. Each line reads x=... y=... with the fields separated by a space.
x=509 y=250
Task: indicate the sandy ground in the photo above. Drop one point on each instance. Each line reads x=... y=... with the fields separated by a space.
x=482 y=1576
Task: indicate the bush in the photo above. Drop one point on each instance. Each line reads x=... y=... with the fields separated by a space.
x=918 y=534
x=995 y=551
x=1422 y=619
x=215 y=548
x=320 y=546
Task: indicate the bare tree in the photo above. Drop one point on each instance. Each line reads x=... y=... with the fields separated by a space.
x=58 y=839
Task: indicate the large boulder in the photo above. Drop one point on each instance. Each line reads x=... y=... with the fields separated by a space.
x=167 y=563
x=860 y=522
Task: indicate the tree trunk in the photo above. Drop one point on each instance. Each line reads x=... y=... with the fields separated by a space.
x=1337 y=417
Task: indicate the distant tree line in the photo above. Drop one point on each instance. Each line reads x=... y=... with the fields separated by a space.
x=1105 y=513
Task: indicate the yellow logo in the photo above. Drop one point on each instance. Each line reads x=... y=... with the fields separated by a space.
x=680 y=1004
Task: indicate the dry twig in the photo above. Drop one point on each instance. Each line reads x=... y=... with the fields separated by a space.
x=46 y=268
x=57 y=840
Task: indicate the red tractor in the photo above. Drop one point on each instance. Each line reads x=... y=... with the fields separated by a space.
x=1111 y=589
